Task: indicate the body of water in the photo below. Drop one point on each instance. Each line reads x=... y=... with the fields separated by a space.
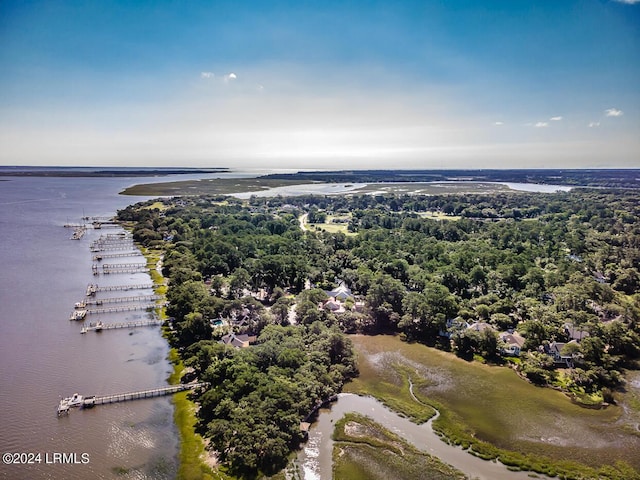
x=44 y=357
x=316 y=457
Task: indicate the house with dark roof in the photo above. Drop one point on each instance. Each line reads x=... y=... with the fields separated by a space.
x=574 y=332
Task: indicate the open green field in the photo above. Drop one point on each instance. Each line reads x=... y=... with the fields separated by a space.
x=331 y=226
x=495 y=407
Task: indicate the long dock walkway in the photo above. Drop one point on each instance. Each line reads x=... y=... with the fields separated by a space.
x=119 y=268
x=103 y=248
x=87 y=402
x=108 y=266
x=140 y=298
x=99 y=326
x=92 y=288
x=102 y=256
x=122 y=308
x=156 y=392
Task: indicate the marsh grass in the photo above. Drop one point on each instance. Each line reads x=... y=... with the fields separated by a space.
x=214 y=186
x=364 y=449
x=478 y=406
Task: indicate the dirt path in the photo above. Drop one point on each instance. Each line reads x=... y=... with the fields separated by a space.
x=303 y=222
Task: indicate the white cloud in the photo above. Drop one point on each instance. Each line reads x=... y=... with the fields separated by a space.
x=541 y=125
x=556 y=119
x=614 y=112
x=207 y=75
x=594 y=124
x=628 y=2
x=230 y=76
x=498 y=123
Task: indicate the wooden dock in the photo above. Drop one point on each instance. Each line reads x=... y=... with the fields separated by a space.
x=77 y=400
x=102 y=256
x=99 y=326
x=92 y=288
x=125 y=270
x=119 y=268
x=109 y=247
x=122 y=308
x=98 y=219
x=112 y=242
x=139 y=298
x=108 y=266
x=156 y=392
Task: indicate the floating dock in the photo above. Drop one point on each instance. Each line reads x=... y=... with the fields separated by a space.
x=78 y=233
x=99 y=326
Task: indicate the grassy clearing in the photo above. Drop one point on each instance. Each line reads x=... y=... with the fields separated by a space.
x=438 y=216
x=156 y=206
x=332 y=224
x=493 y=412
x=331 y=227
x=356 y=454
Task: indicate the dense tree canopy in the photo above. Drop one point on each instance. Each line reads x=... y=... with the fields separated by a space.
x=423 y=265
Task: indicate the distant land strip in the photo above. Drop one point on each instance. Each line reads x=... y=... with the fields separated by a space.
x=613 y=178
x=212 y=186
x=605 y=178
x=103 y=171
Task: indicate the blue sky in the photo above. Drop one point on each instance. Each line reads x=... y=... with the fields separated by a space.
x=295 y=84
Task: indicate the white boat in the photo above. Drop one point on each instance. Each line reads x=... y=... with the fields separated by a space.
x=74 y=401
x=78 y=315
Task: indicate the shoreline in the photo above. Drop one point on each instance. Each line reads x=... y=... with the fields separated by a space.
x=193 y=461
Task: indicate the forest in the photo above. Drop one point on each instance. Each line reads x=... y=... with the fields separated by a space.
x=559 y=271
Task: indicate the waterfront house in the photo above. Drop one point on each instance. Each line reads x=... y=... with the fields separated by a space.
x=513 y=343
x=554 y=349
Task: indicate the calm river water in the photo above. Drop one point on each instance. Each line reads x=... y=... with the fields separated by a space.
x=43 y=356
